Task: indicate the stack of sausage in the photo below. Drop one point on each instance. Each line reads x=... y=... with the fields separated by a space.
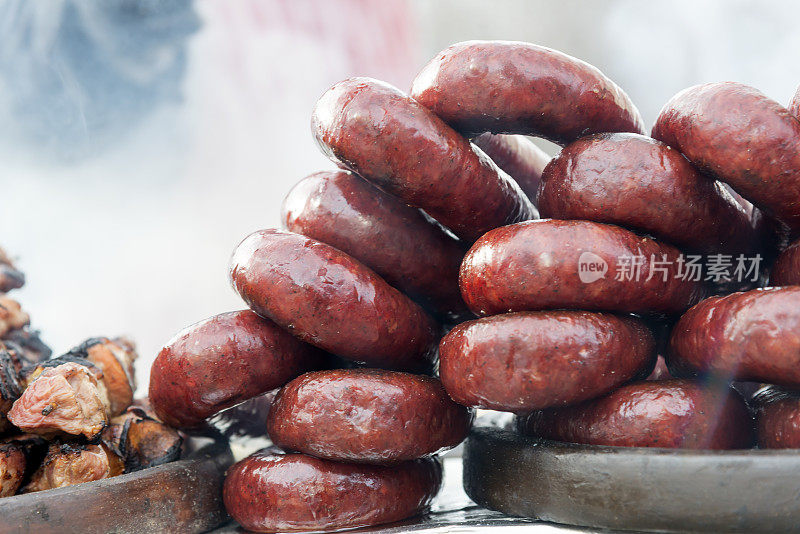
x=69 y=419
x=432 y=219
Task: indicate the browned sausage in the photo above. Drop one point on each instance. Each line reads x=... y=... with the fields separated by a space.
x=328 y=299
x=512 y=87
x=395 y=240
x=397 y=144
x=518 y=156
x=366 y=416
x=777 y=418
x=272 y=492
x=519 y=362
x=548 y=264
x=794 y=105
x=625 y=178
x=744 y=336
x=741 y=137
x=786 y=270
x=222 y=361
x=666 y=413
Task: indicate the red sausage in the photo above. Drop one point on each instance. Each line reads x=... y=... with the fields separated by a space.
x=743 y=336
x=548 y=264
x=741 y=137
x=518 y=156
x=271 y=492
x=794 y=105
x=366 y=416
x=625 y=178
x=519 y=362
x=777 y=418
x=222 y=361
x=397 y=144
x=328 y=299
x=786 y=270
x=395 y=240
x=666 y=413
x=513 y=87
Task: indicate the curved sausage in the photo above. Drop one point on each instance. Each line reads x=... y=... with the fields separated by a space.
x=753 y=336
x=392 y=141
x=665 y=413
x=513 y=87
x=741 y=137
x=271 y=492
x=786 y=269
x=519 y=362
x=777 y=418
x=624 y=178
x=328 y=299
x=222 y=361
x=366 y=416
x=548 y=264
x=395 y=240
x=517 y=155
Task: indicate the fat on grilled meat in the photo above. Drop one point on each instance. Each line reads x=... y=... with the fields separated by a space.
x=72 y=463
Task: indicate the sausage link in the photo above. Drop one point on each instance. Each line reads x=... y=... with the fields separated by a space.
x=665 y=413
x=522 y=88
x=366 y=416
x=519 y=362
x=395 y=240
x=786 y=269
x=328 y=299
x=392 y=141
x=272 y=492
x=741 y=137
x=518 y=156
x=777 y=418
x=222 y=361
x=794 y=105
x=548 y=264
x=624 y=178
x=753 y=335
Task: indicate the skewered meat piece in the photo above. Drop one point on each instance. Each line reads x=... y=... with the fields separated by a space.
x=67 y=398
x=19 y=456
x=27 y=345
x=10 y=276
x=11 y=316
x=70 y=463
x=10 y=388
x=141 y=441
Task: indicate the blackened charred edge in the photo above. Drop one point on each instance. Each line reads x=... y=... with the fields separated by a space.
x=30 y=340
x=82 y=350
x=10 y=389
x=132 y=462
x=10 y=278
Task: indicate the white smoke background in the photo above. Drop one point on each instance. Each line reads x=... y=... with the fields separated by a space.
x=141 y=140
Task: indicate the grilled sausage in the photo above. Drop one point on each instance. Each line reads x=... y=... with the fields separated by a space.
x=222 y=361
x=270 y=492
x=753 y=335
x=741 y=137
x=786 y=269
x=513 y=87
x=665 y=413
x=519 y=362
x=624 y=178
x=328 y=299
x=366 y=416
x=518 y=156
x=389 y=139
x=393 y=239
x=777 y=418
x=548 y=264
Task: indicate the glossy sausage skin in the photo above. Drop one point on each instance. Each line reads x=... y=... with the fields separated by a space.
x=794 y=105
x=272 y=492
x=624 y=178
x=330 y=300
x=777 y=418
x=520 y=362
x=741 y=137
x=518 y=156
x=513 y=87
x=539 y=265
x=786 y=269
x=666 y=413
x=222 y=361
x=753 y=336
x=397 y=144
x=393 y=239
x=366 y=416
